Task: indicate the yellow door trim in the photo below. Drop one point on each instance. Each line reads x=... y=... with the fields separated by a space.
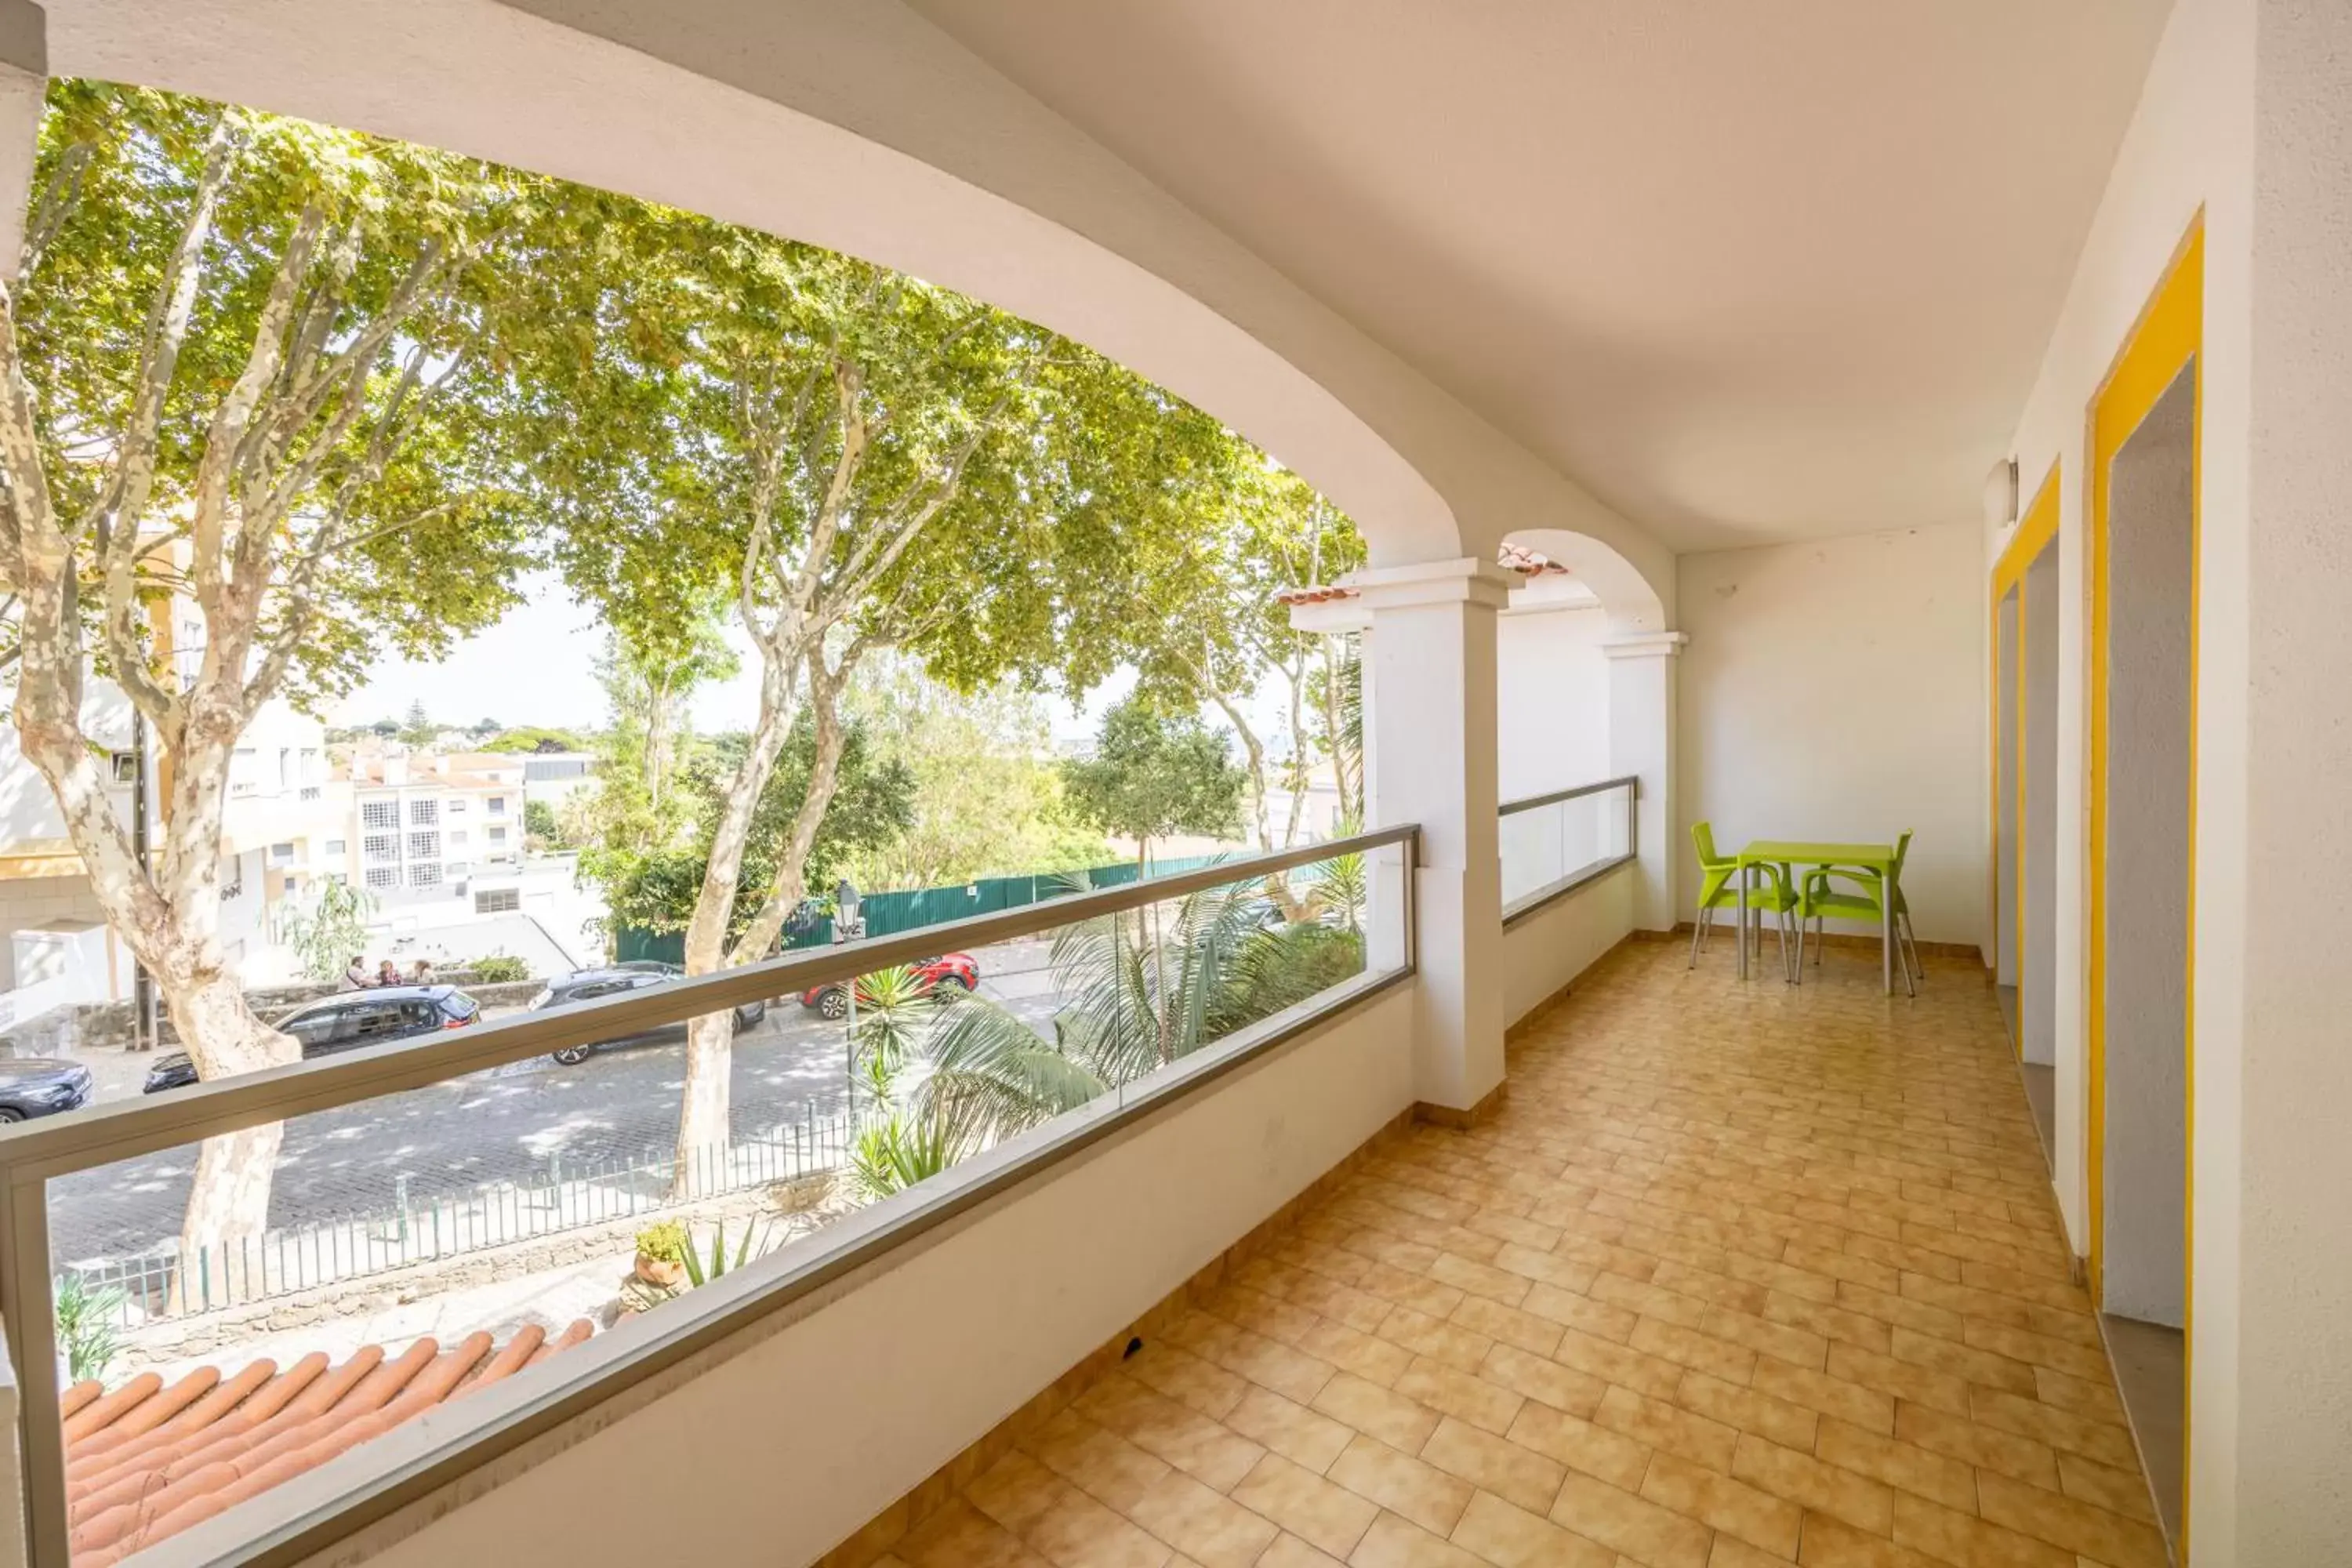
x=2166 y=338
x=2034 y=531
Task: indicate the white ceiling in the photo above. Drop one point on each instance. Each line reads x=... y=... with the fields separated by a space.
x=1750 y=272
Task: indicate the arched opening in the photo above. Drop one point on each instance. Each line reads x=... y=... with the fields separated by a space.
x=486 y=79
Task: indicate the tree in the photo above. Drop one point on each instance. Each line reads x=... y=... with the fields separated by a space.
x=541 y=830
x=529 y=738
x=661 y=889
x=988 y=798
x=418 y=728
x=1220 y=628
x=333 y=931
x=252 y=368
x=854 y=460
x=1152 y=775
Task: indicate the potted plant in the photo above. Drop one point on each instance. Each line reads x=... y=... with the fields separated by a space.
x=661 y=1255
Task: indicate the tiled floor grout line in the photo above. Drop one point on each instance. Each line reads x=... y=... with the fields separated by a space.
x=1741 y=1274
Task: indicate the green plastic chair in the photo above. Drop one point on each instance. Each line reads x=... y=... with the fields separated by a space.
x=1719 y=889
x=1820 y=899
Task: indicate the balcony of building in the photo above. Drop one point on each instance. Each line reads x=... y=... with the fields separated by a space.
x=1816 y=425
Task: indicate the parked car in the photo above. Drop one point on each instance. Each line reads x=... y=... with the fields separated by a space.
x=346 y=1021
x=636 y=974
x=944 y=978
x=31 y=1087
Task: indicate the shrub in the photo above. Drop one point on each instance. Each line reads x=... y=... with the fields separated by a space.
x=665 y=1243
x=86 y=1327
x=497 y=968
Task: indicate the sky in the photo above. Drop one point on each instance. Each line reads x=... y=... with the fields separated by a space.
x=538 y=667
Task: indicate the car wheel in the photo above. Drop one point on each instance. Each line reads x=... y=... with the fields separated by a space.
x=573 y=1056
x=10 y=1113
x=748 y=1017
x=948 y=987
x=834 y=1003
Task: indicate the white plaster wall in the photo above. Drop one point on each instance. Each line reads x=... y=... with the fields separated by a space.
x=2147 y=881
x=2190 y=148
x=2294 y=1361
x=1552 y=685
x=1835 y=689
x=2037 y=993
x=785 y=1440
x=1559 y=941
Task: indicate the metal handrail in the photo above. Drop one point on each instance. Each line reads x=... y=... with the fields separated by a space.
x=1630 y=781
x=33 y=1154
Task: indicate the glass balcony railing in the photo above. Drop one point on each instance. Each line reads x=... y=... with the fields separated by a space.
x=1553 y=844
x=872 y=1091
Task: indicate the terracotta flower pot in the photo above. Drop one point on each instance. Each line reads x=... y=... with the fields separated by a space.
x=661 y=1272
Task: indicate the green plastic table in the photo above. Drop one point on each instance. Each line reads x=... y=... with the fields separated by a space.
x=1878 y=857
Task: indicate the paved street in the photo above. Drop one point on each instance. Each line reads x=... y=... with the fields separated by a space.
x=506 y=1124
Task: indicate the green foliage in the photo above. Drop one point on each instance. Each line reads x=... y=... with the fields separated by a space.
x=496 y=969
x=758 y=1241
x=1279 y=969
x=540 y=829
x=87 y=1327
x=988 y=799
x=440 y=508
x=1152 y=775
x=531 y=739
x=1340 y=885
x=326 y=936
x=893 y=1005
x=895 y=1153
x=667 y=1241
x=872 y=803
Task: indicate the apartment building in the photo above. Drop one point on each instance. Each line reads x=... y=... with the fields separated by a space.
x=425 y=828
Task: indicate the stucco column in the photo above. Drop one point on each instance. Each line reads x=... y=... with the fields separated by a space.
x=23 y=87
x=1642 y=742
x=1430 y=709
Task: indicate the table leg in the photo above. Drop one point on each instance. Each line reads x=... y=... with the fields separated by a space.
x=1742 y=931
x=1886 y=931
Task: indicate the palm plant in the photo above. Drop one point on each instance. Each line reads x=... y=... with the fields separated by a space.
x=87 y=1320
x=895 y=1152
x=1342 y=885
x=891 y=1008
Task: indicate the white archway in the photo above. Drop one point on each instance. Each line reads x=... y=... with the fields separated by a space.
x=1632 y=601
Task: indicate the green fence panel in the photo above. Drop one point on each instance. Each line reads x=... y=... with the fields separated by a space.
x=913 y=908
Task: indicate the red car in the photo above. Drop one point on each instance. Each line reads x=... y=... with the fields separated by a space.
x=943 y=977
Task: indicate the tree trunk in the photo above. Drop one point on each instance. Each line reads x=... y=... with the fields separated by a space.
x=228 y=1201
x=702 y=1112
x=1277 y=886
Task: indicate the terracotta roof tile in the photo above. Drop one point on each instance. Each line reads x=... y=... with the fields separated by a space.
x=149 y=1460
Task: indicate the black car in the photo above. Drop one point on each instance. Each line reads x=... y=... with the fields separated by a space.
x=347 y=1020
x=638 y=974
x=31 y=1086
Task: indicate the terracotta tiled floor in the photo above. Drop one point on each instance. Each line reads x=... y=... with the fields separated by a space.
x=1743 y=1274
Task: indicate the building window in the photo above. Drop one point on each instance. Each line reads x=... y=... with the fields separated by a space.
x=457 y=808
x=334 y=847
x=380 y=814
x=424 y=812
x=382 y=877
x=424 y=847
x=281 y=852
x=456 y=838
x=497 y=836
x=380 y=846
x=310 y=792
x=498 y=900
x=425 y=875
x=126 y=767
x=497 y=806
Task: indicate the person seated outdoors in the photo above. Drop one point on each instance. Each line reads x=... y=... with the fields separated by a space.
x=387 y=973
x=355 y=975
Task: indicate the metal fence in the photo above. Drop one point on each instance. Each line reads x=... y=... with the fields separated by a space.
x=425 y=1227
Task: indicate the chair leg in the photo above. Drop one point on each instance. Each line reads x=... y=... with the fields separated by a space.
x=1800 y=950
x=1787 y=973
x=1698 y=936
x=1911 y=943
